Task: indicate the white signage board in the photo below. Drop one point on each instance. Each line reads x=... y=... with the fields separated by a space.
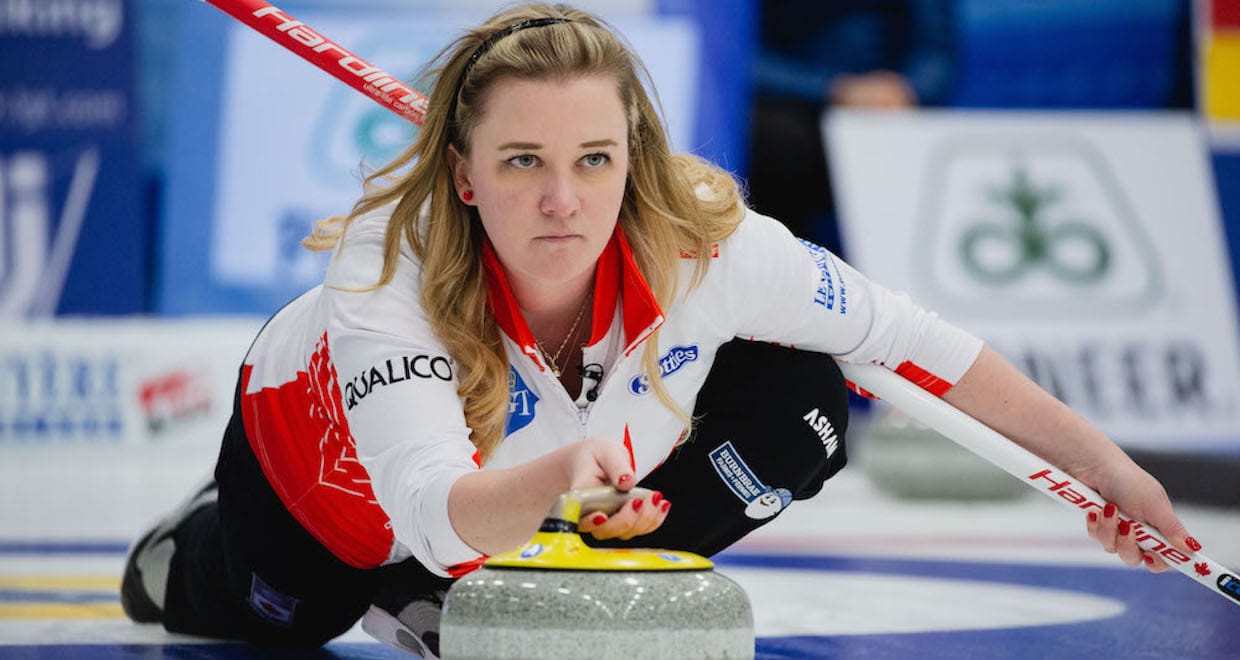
x=110 y=383
x=1086 y=248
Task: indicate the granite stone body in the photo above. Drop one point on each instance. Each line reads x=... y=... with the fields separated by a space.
x=533 y=613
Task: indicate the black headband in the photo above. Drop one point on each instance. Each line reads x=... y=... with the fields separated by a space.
x=490 y=43
x=500 y=34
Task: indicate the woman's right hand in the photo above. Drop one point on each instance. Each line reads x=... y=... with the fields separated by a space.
x=640 y=515
x=600 y=462
x=497 y=510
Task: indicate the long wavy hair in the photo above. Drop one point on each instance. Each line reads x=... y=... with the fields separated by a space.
x=674 y=204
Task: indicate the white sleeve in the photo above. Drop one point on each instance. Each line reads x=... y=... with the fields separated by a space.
x=399 y=393
x=781 y=289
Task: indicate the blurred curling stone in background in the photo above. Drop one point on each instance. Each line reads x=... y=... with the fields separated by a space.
x=557 y=597
x=907 y=459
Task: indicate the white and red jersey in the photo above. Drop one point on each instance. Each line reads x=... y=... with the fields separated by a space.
x=350 y=403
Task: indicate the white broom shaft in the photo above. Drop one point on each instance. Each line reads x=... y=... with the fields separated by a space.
x=1033 y=471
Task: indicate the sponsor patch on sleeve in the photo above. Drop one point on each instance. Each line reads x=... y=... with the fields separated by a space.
x=831 y=292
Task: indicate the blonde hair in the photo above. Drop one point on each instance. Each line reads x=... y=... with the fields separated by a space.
x=674 y=204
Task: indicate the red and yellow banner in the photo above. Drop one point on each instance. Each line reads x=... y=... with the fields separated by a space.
x=1219 y=61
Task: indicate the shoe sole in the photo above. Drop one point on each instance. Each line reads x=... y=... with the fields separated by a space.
x=386 y=628
x=135 y=601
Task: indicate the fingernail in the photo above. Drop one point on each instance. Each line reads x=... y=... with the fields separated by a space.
x=1193 y=544
x=1093 y=516
x=625 y=478
x=637 y=505
x=1124 y=527
x=1108 y=511
x=598 y=519
x=667 y=504
x=656 y=498
x=1148 y=559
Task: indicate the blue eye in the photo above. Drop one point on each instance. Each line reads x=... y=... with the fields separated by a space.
x=595 y=160
x=524 y=161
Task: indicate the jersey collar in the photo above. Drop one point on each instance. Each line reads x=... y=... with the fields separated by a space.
x=617 y=276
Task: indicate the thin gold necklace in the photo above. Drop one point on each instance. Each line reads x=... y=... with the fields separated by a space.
x=554 y=362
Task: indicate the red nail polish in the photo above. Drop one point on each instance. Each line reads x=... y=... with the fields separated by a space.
x=1093 y=516
x=625 y=478
x=656 y=498
x=1124 y=527
x=1193 y=544
x=598 y=519
x=1148 y=559
x=1108 y=511
x=637 y=505
x=667 y=504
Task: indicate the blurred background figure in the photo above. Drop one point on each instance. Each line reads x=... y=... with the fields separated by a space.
x=813 y=55
x=899 y=54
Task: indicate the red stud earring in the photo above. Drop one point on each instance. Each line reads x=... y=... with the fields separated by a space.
x=467 y=195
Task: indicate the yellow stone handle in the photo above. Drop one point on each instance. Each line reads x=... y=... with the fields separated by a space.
x=557 y=545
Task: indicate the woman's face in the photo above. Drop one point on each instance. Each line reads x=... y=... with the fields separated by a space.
x=547 y=166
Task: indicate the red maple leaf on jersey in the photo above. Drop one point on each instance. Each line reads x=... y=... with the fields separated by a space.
x=338 y=464
x=1203 y=569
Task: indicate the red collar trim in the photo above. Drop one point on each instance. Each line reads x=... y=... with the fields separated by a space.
x=504 y=306
x=641 y=313
x=616 y=276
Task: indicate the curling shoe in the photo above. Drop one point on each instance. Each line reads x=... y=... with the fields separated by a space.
x=411 y=625
x=145 y=582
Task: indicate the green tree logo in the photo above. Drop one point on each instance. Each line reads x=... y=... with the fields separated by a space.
x=1030 y=226
x=999 y=253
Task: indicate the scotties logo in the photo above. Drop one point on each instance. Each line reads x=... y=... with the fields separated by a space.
x=674 y=360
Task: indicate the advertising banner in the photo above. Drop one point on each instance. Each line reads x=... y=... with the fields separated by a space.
x=72 y=233
x=1086 y=248
x=133 y=382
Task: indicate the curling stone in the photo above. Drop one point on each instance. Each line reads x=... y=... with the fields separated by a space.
x=557 y=597
x=910 y=460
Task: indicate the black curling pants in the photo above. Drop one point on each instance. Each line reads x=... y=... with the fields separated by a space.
x=770 y=430
x=246 y=569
